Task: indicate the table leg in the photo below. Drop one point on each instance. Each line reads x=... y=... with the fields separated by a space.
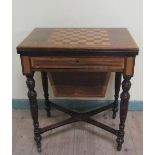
x=118 y=77
x=126 y=84
x=46 y=95
x=34 y=109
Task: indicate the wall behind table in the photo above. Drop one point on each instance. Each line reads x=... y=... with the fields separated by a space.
x=28 y=14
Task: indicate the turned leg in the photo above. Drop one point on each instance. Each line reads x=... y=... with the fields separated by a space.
x=46 y=95
x=126 y=84
x=118 y=77
x=34 y=109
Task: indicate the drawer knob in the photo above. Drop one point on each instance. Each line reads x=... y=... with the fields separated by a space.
x=77 y=61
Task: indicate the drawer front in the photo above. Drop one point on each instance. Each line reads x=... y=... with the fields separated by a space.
x=116 y=63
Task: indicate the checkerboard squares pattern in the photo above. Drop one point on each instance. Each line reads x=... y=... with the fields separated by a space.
x=79 y=38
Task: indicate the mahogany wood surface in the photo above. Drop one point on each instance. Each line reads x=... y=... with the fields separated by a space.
x=86 y=62
x=69 y=41
x=79 y=84
x=46 y=95
x=26 y=66
x=34 y=109
x=125 y=96
x=118 y=77
x=78 y=62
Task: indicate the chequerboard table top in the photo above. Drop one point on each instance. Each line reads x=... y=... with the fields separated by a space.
x=51 y=39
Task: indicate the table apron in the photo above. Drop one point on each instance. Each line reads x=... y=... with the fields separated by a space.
x=78 y=63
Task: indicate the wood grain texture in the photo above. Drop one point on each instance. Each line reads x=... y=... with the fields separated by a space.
x=129 y=66
x=78 y=40
x=79 y=84
x=105 y=63
x=78 y=53
x=131 y=143
x=135 y=125
x=26 y=66
x=79 y=138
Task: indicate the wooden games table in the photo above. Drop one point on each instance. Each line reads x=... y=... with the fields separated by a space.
x=76 y=60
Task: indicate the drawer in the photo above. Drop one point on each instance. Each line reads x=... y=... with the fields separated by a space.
x=108 y=62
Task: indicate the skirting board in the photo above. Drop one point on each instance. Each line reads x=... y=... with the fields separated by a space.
x=81 y=105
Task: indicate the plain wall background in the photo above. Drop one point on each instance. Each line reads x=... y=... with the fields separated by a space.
x=28 y=14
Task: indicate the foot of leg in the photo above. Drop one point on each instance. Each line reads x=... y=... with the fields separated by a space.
x=37 y=138
x=120 y=137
